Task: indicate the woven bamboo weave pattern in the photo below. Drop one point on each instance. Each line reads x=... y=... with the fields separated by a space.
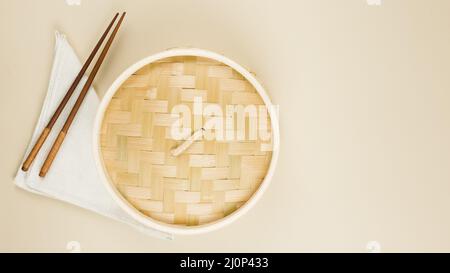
x=209 y=180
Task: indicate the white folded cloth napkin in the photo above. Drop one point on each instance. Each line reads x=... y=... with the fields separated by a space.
x=73 y=177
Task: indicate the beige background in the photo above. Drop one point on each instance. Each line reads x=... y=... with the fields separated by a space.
x=365 y=118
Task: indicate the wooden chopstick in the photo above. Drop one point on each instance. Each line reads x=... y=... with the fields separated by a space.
x=38 y=145
x=59 y=140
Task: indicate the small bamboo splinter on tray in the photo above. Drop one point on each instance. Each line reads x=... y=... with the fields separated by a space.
x=188 y=142
x=59 y=140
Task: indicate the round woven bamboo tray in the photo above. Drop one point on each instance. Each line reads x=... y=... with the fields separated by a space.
x=211 y=180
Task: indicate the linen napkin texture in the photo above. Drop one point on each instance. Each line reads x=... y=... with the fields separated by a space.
x=73 y=177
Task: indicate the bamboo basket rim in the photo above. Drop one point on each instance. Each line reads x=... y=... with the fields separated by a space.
x=123 y=203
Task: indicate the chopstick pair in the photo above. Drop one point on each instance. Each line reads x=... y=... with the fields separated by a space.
x=59 y=140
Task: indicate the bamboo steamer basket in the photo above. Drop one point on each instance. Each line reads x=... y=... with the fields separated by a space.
x=213 y=182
